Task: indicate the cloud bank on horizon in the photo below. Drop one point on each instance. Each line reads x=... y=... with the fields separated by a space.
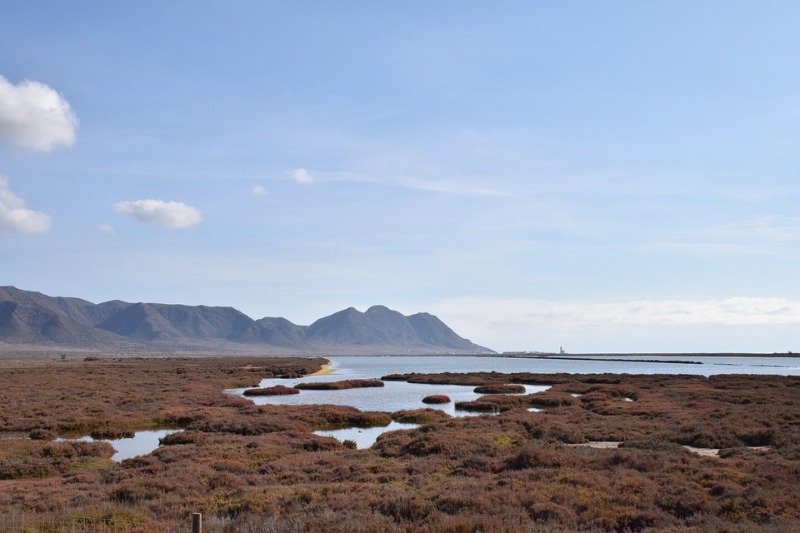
x=613 y=179
x=506 y=320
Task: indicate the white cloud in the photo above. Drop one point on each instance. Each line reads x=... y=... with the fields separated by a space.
x=32 y=115
x=15 y=217
x=166 y=214
x=108 y=229
x=258 y=190
x=302 y=175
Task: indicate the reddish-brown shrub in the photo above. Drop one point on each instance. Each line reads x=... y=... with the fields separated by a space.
x=257 y=468
x=436 y=399
x=107 y=433
x=420 y=416
x=477 y=406
x=340 y=385
x=277 y=390
x=500 y=389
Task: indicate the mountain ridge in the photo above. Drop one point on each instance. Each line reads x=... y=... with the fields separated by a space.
x=32 y=319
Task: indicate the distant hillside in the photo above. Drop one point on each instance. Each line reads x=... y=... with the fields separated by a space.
x=32 y=319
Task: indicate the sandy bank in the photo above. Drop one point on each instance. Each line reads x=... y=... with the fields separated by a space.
x=327 y=368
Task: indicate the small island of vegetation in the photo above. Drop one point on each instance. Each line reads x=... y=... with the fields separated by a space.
x=277 y=390
x=436 y=399
x=340 y=385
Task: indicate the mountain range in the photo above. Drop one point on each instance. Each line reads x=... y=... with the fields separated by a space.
x=31 y=319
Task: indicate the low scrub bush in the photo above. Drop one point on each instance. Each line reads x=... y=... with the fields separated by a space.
x=500 y=389
x=340 y=385
x=107 y=433
x=478 y=406
x=420 y=416
x=436 y=399
x=551 y=399
x=277 y=390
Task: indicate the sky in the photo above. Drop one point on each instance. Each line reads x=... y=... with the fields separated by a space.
x=599 y=176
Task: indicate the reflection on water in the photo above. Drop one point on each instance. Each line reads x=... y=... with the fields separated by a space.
x=142 y=443
x=363 y=437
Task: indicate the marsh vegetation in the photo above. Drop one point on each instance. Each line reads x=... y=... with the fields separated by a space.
x=252 y=468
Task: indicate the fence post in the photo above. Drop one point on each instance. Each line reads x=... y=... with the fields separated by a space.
x=197 y=523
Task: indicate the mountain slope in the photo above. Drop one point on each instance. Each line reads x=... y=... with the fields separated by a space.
x=31 y=319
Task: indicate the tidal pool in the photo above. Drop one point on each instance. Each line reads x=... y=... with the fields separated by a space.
x=363 y=437
x=142 y=443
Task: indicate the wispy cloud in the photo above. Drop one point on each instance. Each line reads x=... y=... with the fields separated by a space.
x=708 y=248
x=166 y=214
x=258 y=190
x=444 y=186
x=433 y=185
x=759 y=235
x=302 y=175
x=15 y=217
x=108 y=229
x=760 y=194
x=772 y=228
x=33 y=115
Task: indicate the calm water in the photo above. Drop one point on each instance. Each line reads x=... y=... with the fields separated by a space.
x=363 y=437
x=396 y=396
x=374 y=367
x=142 y=443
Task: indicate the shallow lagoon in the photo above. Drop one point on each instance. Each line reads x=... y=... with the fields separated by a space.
x=394 y=395
x=398 y=395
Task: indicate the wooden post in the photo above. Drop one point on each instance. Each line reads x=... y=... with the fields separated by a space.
x=197 y=523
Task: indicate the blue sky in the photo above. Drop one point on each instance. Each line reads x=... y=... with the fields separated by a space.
x=615 y=176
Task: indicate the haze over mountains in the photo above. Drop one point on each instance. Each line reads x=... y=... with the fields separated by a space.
x=31 y=319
